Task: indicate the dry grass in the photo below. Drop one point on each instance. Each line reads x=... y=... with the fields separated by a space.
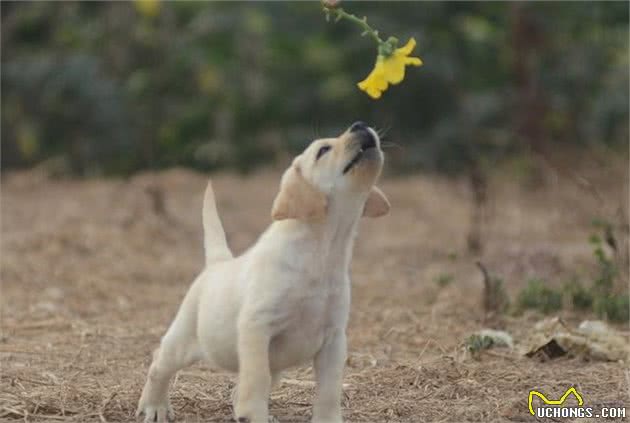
x=92 y=276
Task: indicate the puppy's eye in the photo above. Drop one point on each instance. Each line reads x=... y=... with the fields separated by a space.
x=323 y=150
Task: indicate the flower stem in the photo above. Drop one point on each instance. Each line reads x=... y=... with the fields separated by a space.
x=342 y=14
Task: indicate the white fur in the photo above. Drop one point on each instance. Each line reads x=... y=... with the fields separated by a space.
x=283 y=302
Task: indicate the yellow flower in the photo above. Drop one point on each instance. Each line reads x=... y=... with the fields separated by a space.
x=389 y=70
x=148 y=8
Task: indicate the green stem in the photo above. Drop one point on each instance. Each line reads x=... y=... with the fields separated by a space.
x=342 y=14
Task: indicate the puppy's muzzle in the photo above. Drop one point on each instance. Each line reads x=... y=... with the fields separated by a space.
x=365 y=138
x=365 y=135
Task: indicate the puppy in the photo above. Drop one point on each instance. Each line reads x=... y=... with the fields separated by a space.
x=286 y=300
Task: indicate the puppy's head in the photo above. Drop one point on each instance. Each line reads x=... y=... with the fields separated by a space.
x=342 y=168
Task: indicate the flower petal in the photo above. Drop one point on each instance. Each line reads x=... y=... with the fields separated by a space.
x=394 y=69
x=373 y=87
x=407 y=48
x=373 y=80
x=413 y=61
x=376 y=79
x=369 y=87
x=374 y=93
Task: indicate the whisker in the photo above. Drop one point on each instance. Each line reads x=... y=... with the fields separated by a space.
x=382 y=132
x=315 y=127
x=390 y=144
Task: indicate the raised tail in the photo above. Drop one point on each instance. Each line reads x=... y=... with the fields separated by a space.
x=214 y=242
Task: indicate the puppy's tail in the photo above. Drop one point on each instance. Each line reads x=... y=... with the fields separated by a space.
x=214 y=242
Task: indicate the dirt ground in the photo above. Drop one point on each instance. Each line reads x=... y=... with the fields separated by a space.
x=93 y=272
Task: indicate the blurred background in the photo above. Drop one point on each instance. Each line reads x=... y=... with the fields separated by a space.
x=102 y=88
x=507 y=171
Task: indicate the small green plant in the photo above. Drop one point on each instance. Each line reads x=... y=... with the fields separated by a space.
x=581 y=297
x=602 y=297
x=476 y=343
x=538 y=295
x=495 y=298
x=607 y=271
x=443 y=279
x=613 y=307
x=607 y=303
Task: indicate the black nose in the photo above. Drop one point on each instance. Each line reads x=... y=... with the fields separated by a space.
x=357 y=126
x=366 y=137
x=367 y=140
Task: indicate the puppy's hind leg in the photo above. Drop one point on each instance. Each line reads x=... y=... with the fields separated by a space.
x=178 y=349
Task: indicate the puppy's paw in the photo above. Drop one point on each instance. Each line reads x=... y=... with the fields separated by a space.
x=270 y=419
x=158 y=413
x=251 y=413
x=327 y=419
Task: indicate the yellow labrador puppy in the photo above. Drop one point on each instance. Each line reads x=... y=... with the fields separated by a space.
x=286 y=300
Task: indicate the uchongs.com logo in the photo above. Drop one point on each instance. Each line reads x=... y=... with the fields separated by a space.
x=557 y=409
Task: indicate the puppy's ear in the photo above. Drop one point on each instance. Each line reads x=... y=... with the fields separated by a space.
x=377 y=204
x=298 y=198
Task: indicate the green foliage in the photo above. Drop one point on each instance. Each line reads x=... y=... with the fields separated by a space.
x=607 y=303
x=235 y=84
x=476 y=343
x=581 y=298
x=443 y=279
x=501 y=292
x=600 y=297
x=497 y=298
x=538 y=295
x=613 y=307
x=606 y=268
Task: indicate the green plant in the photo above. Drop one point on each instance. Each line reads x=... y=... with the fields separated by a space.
x=495 y=298
x=443 y=279
x=607 y=271
x=581 y=297
x=613 y=307
x=476 y=343
x=602 y=297
x=607 y=303
x=538 y=296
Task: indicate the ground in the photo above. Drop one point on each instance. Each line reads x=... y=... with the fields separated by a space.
x=93 y=272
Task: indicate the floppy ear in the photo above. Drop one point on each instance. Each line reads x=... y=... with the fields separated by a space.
x=376 y=204
x=298 y=198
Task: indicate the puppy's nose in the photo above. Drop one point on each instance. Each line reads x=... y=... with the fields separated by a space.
x=363 y=133
x=357 y=126
x=367 y=140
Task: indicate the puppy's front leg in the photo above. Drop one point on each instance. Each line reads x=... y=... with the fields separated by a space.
x=254 y=374
x=328 y=364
